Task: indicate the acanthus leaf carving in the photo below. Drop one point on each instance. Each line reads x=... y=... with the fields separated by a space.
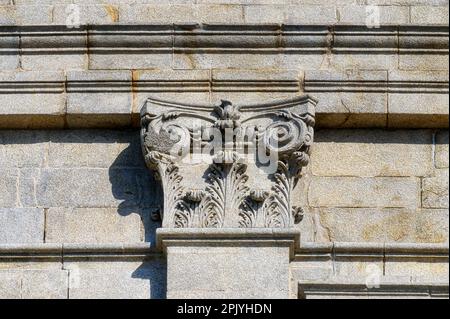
x=172 y=131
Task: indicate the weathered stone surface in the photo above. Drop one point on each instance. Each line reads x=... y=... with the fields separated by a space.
x=414 y=62
x=441 y=151
x=429 y=15
x=409 y=110
x=34 y=284
x=7 y=15
x=187 y=86
x=344 y=99
x=265 y=272
x=426 y=270
x=362 y=15
x=41 y=62
x=383 y=225
x=26 y=189
x=252 y=86
x=94 y=148
x=256 y=60
x=342 y=61
x=33 y=15
x=9 y=285
x=181 y=13
x=364 y=192
x=21 y=225
x=27 y=149
x=435 y=190
x=432 y=226
x=373 y=188
x=290 y=14
x=43 y=100
x=8 y=185
x=88 y=94
x=82 y=187
x=419 y=77
x=116 y=280
x=92 y=225
x=105 y=13
x=372 y=153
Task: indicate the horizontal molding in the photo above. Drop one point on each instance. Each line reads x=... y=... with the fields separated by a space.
x=377 y=250
x=112 y=99
x=264 y=38
x=144 y=250
x=207 y=85
x=435 y=87
x=75 y=251
x=385 y=289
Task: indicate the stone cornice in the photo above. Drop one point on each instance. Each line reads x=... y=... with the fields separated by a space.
x=372 y=250
x=399 y=287
x=229 y=237
x=227 y=38
x=315 y=251
x=100 y=85
x=60 y=252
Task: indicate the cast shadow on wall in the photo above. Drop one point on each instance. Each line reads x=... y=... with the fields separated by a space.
x=137 y=192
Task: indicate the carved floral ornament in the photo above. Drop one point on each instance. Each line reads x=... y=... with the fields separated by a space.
x=226 y=144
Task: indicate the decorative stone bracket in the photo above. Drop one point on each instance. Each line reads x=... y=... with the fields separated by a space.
x=228 y=166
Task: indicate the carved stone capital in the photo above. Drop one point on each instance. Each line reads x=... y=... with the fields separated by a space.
x=228 y=166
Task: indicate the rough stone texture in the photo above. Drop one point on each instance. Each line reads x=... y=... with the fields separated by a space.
x=26 y=149
x=33 y=15
x=404 y=110
x=265 y=272
x=41 y=102
x=364 y=192
x=351 y=106
x=117 y=280
x=369 y=185
x=359 y=14
x=21 y=225
x=435 y=190
x=103 y=104
x=381 y=225
x=441 y=153
x=94 y=188
x=92 y=225
x=429 y=15
x=33 y=284
x=94 y=148
x=372 y=153
x=419 y=271
x=414 y=62
x=8 y=185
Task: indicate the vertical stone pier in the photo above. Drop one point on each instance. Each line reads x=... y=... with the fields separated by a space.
x=228 y=263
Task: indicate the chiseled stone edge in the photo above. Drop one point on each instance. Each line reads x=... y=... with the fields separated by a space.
x=227 y=236
x=387 y=250
x=388 y=287
x=64 y=252
x=301 y=38
x=143 y=250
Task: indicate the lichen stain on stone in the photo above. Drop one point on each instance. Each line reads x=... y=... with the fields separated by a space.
x=427 y=233
x=113 y=12
x=395 y=228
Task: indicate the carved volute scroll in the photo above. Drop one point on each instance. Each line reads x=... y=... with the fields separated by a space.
x=220 y=144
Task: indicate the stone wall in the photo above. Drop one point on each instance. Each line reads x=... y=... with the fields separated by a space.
x=92 y=186
x=76 y=200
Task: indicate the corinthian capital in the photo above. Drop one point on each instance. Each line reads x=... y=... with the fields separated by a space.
x=228 y=165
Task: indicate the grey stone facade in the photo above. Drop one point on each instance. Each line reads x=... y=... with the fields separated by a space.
x=84 y=212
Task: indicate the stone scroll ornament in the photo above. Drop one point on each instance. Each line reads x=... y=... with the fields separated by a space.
x=228 y=135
